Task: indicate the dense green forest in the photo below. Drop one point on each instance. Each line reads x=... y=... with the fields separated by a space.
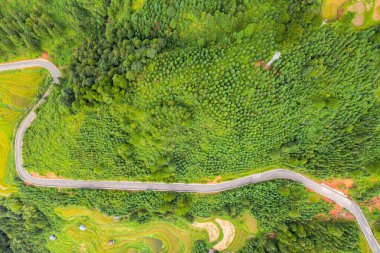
x=176 y=91
x=27 y=27
x=312 y=236
x=201 y=112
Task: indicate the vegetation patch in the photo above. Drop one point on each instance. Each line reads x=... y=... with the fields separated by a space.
x=17 y=91
x=251 y=223
x=168 y=91
x=330 y=8
x=101 y=229
x=212 y=229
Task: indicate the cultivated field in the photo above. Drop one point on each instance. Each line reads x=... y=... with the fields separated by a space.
x=366 y=12
x=128 y=236
x=17 y=90
x=155 y=236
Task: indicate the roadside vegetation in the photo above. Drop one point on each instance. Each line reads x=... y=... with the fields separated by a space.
x=17 y=91
x=179 y=91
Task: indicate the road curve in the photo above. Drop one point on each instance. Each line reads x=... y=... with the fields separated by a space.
x=321 y=189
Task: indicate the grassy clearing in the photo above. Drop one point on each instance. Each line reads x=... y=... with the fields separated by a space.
x=17 y=90
x=364 y=245
x=330 y=8
x=251 y=223
x=155 y=236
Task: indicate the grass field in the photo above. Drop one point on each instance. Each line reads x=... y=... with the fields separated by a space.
x=17 y=90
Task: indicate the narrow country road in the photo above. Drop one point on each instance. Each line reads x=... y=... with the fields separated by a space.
x=321 y=189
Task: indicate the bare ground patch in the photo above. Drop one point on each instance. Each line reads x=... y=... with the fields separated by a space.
x=376 y=11
x=339 y=212
x=49 y=175
x=228 y=234
x=374 y=203
x=212 y=229
x=340 y=184
x=216 y=180
x=83 y=248
x=358 y=20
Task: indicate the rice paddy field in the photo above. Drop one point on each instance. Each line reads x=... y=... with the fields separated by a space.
x=18 y=89
x=156 y=236
x=107 y=234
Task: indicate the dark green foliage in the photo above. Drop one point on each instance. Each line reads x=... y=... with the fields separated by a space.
x=264 y=200
x=103 y=70
x=312 y=236
x=198 y=113
x=22 y=226
x=4 y=243
x=200 y=246
x=28 y=27
x=169 y=91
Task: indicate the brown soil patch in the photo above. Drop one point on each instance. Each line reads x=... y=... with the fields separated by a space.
x=328 y=200
x=45 y=55
x=49 y=175
x=271 y=235
x=322 y=217
x=358 y=20
x=332 y=9
x=360 y=8
x=339 y=212
x=262 y=64
x=376 y=11
x=83 y=248
x=340 y=184
x=258 y=63
x=374 y=203
x=212 y=229
x=339 y=12
x=228 y=234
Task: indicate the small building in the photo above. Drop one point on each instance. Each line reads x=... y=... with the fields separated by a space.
x=52 y=237
x=116 y=217
x=82 y=227
x=111 y=242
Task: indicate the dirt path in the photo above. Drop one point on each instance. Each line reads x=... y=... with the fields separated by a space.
x=212 y=229
x=228 y=234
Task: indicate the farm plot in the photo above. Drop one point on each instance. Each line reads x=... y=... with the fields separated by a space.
x=107 y=234
x=17 y=90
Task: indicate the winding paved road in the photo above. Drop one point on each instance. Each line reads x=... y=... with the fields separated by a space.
x=321 y=189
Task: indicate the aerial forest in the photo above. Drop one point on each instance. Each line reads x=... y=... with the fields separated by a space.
x=179 y=91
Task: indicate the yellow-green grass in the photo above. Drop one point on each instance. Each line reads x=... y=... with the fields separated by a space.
x=17 y=90
x=155 y=236
x=330 y=8
x=364 y=246
x=137 y=5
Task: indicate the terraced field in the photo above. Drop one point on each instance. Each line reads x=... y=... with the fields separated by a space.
x=127 y=236
x=17 y=90
x=156 y=236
